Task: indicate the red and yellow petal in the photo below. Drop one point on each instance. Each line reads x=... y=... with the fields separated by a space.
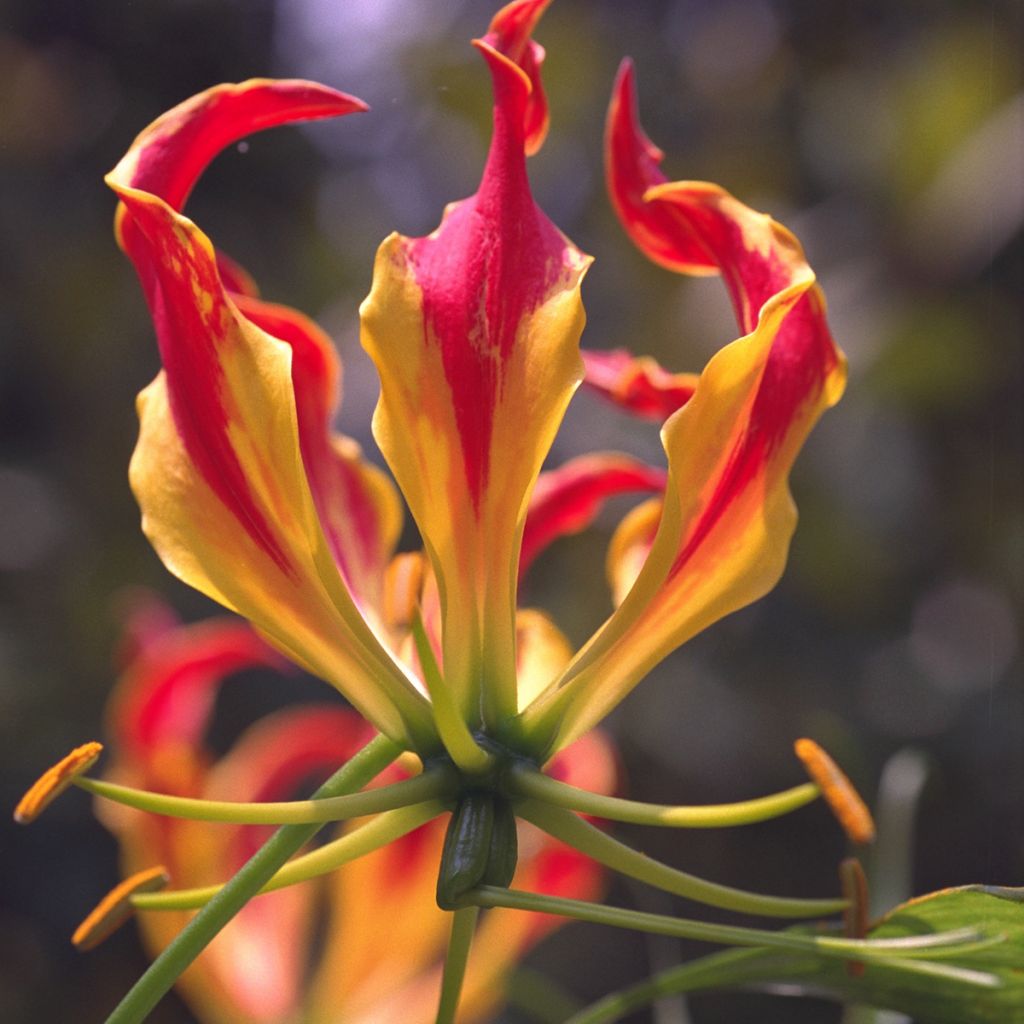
x=566 y=500
x=728 y=516
x=637 y=383
x=220 y=469
x=474 y=331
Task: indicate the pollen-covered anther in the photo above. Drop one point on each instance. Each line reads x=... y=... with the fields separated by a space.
x=116 y=907
x=55 y=780
x=846 y=803
x=855 y=918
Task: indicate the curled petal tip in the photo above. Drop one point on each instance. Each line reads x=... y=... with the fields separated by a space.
x=509 y=38
x=55 y=780
x=116 y=907
x=167 y=158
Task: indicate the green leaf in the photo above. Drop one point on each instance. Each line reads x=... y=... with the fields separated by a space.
x=980 y=982
x=994 y=911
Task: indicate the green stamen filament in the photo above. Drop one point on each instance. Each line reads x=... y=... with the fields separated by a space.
x=383 y=829
x=573 y=830
x=524 y=781
x=435 y=783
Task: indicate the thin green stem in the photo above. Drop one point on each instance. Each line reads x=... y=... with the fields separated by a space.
x=522 y=780
x=702 y=931
x=451 y=726
x=744 y=967
x=731 y=968
x=436 y=782
x=200 y=931
x=459 y=942
x=381 y=831
x=573 y=830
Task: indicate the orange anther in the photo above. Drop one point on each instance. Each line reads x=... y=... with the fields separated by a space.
x=116 y=907
x=846 y=803
x=54 y=781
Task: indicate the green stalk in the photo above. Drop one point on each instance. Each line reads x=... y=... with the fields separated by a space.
x=381 y=831
x=574 y=831
x=729 y=969
x=524 y=781
x=202 y=929
x=459 y=942
x=435 y=782
x=725 y=934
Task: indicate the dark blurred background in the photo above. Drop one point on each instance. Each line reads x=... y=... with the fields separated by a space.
x=887 y=136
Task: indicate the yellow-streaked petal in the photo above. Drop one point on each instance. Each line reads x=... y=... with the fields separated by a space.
x=474 y=331
x=234 y=465
x=728 y=516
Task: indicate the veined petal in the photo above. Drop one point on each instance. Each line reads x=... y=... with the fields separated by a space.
x=637 y=383
x=219 y=469
x=567 y=499
x=728 y=516
x=474 y=331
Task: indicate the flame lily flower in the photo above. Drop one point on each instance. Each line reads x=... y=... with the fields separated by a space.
x=260 y=967
x=248 y=494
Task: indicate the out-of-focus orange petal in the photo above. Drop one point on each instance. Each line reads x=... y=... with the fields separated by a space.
x=542 y=652
x=637 y=383
x=166 y=695
x=567 y=499
x=630 y=546
x=221 y=471
x=728 y=516
x=365 y=965
x=262 y=960
x=474 y=331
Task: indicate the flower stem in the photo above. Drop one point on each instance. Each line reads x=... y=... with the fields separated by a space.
x=573 y=830
x=734 y=935
x=435 y=782
x=201 y=930
x=381 y=831
x=524 y=781
x=731 y=968
x=459 y=942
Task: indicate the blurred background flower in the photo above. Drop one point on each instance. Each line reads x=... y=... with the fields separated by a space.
x=888 y=137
